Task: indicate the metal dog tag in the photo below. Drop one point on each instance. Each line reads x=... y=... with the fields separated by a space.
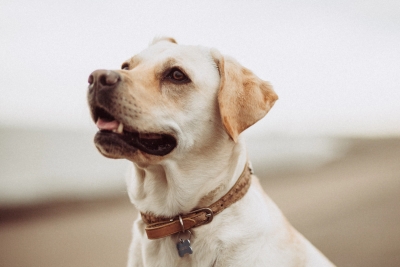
x=184 y=247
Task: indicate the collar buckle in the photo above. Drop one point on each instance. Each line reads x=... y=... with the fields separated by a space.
x=209 y=214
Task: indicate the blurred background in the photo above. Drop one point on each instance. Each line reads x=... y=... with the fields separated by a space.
x=328 y=152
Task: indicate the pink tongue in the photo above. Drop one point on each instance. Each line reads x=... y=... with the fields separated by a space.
x=107 y=125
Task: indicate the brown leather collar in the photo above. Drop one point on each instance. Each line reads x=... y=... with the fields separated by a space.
x=159 y=227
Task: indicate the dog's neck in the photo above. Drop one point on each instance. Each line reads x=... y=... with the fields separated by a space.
x=178 y=186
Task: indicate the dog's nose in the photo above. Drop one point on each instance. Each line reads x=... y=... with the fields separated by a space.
x=103 y=79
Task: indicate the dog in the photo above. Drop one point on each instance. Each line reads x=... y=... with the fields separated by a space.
x=177 y=112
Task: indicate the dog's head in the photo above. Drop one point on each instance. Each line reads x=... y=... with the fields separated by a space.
x=173 y=98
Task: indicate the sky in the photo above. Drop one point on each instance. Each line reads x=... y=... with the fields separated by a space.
x=335 y=64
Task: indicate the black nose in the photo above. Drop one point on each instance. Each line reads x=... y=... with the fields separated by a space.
x=103 y=79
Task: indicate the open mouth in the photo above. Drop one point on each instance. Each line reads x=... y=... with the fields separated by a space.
x=151 y=143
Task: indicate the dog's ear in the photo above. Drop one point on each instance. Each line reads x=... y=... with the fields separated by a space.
x=163 y=38
x=243 y=98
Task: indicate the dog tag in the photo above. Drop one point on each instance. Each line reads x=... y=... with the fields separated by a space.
x=184 y=247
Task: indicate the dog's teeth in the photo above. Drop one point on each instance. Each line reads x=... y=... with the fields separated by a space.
x=120 y=128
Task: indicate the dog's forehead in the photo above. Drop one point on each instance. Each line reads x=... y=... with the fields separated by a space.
x=163 y=51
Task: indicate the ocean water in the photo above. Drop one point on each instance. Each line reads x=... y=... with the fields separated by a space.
x=288 y=152
x=46 y=165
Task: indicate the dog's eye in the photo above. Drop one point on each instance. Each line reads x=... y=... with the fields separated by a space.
x=177 y=76
x=125 y=66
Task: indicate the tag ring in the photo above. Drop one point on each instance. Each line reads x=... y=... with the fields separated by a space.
x=179 y=235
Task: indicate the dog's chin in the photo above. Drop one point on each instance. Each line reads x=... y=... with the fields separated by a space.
x=131 y=145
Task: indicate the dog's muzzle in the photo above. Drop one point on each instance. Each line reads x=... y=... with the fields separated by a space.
x=113 y=134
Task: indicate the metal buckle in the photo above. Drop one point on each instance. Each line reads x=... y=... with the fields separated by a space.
x=209 y=214
x=181 y=222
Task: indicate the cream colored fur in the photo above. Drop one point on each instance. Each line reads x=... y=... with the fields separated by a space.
x=206 y=116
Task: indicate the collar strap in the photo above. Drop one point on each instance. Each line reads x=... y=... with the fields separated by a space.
x=159 y=227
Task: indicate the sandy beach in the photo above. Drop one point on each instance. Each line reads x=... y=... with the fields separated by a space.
x=349 y=208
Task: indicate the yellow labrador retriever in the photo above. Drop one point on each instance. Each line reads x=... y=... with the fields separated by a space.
x=177 y=113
